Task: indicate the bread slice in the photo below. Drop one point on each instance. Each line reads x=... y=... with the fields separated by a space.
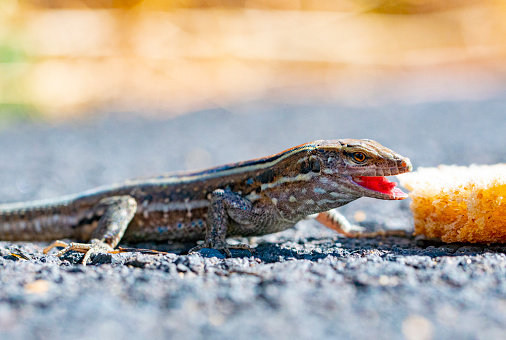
x=458 y=203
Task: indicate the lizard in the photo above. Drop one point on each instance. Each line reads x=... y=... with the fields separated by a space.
x=250 y=198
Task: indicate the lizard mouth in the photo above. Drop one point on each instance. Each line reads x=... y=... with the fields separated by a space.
x=381 y=185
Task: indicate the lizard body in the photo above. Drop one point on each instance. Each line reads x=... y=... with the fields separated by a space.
x=243 y=199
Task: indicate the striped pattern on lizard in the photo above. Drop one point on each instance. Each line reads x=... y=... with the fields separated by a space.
x=250 y=198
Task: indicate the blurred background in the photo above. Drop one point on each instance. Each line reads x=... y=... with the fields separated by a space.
x=61 y=58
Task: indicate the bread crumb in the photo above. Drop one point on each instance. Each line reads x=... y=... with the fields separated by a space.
x=360 y=216
x=37 y=287
x=458 y=203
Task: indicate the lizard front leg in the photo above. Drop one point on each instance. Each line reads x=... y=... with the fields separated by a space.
x=224 y=206
x=115 y=213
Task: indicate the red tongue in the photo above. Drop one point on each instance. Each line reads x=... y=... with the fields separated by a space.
x=380 y=184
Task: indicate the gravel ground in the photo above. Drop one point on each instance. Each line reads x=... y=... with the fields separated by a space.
x=303 y=283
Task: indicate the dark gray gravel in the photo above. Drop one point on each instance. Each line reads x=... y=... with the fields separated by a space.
x=304 y=283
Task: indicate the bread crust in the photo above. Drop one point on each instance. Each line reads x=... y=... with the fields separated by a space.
x=459 y=204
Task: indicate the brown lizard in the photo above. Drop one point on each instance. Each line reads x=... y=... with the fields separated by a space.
x=250 y=198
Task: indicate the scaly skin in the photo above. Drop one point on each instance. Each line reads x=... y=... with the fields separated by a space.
x=244 y=199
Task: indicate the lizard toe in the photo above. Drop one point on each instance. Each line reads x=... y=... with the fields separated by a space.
x=241 y=246
x=87 y=248
x=222 y=247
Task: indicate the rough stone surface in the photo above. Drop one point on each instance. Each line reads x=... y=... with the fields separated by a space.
x=304 y=283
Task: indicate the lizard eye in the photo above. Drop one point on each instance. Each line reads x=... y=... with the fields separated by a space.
x=358 y=157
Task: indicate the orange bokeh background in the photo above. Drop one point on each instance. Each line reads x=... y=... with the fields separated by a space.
x=61 y=58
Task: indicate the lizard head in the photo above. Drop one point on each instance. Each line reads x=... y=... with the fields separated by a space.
x=359 y=167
